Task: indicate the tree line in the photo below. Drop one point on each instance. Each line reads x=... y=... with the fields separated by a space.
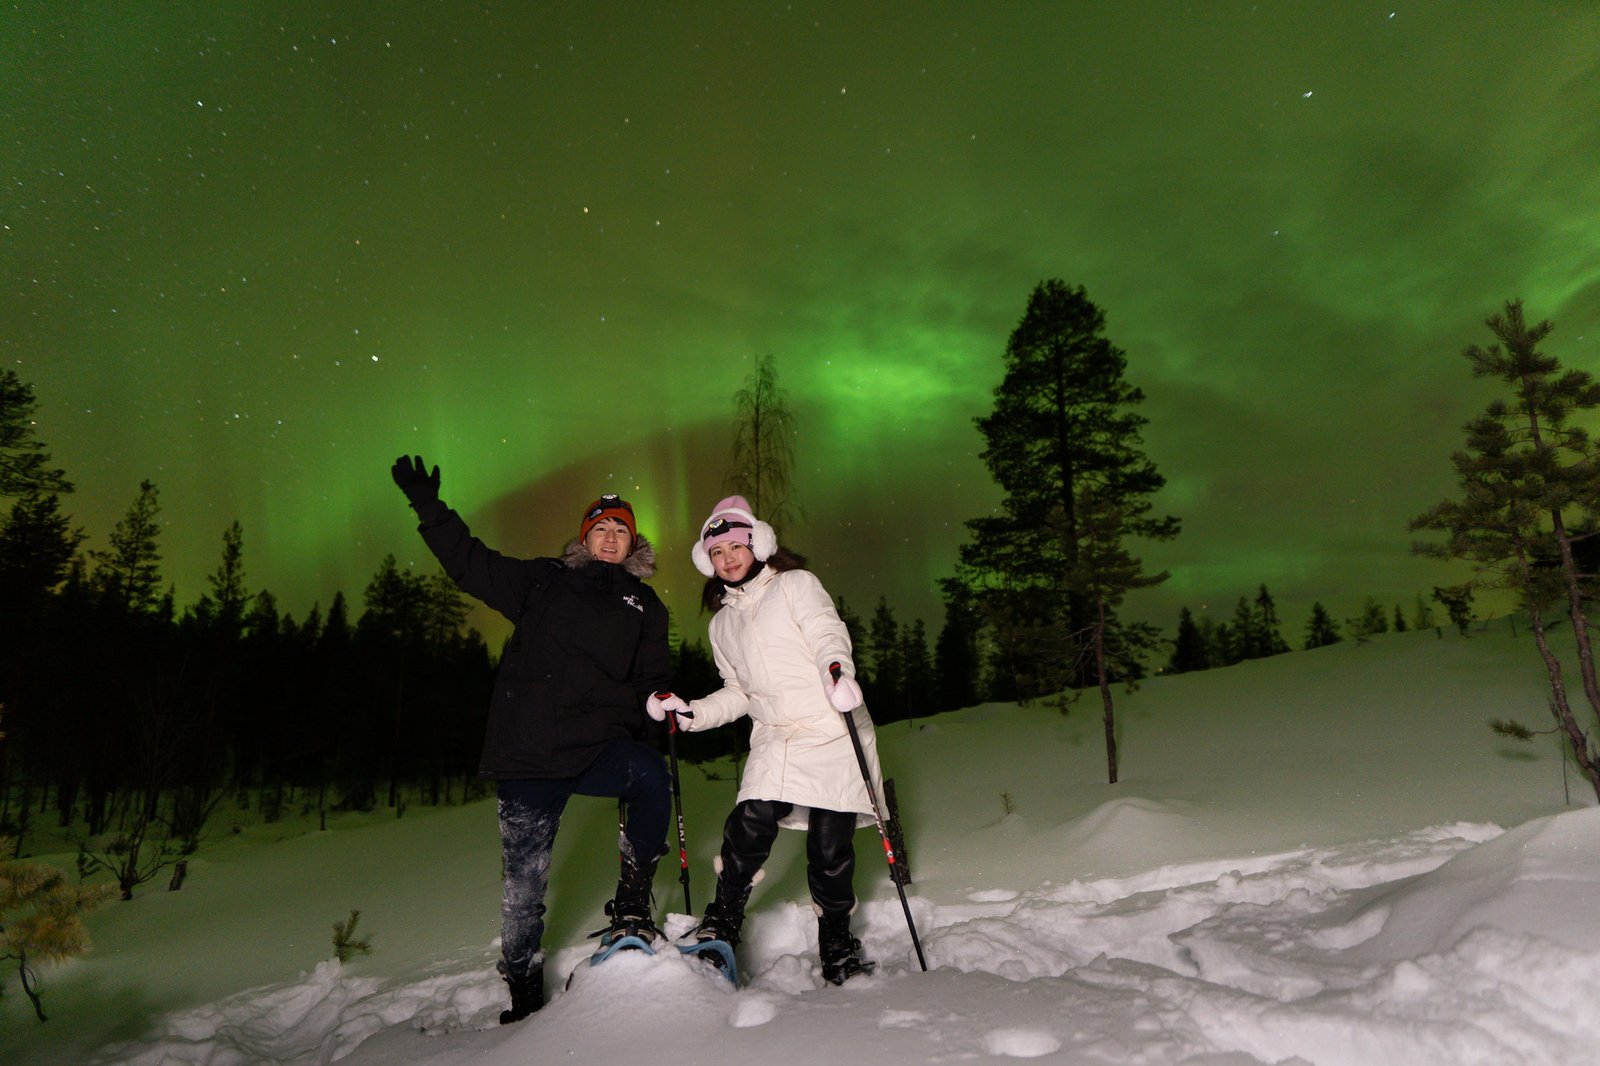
x=136 y=718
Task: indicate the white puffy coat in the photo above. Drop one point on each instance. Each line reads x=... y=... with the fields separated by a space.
x=772 y=641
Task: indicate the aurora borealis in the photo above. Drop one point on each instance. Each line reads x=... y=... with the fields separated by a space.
x=253 y=252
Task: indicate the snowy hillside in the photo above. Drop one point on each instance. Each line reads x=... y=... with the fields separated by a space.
x=1325 y=857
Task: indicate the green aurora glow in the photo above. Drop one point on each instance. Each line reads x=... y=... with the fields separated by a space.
x=253 y=252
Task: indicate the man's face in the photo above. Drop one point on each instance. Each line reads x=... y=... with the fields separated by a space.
x=609 y=540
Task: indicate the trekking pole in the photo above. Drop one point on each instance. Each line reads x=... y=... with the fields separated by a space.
x=677 y=801
x=877 y=816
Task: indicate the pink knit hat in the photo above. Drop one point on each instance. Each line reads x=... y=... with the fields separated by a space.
x=732 y=522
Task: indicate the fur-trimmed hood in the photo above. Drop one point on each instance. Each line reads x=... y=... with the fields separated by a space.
x=641 y=561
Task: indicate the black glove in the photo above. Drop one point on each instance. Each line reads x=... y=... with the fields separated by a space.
x=411 y=474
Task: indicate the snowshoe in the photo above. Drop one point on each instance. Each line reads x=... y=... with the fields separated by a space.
x=841 y=952
x=716 y=953
x=627 y=932
x=837 y=973
x=610 y=947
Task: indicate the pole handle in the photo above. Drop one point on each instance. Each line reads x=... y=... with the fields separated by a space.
x=672 y=716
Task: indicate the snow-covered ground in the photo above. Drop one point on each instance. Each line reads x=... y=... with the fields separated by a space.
x=1326 y=857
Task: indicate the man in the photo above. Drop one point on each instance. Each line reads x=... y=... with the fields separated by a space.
x=590 y=646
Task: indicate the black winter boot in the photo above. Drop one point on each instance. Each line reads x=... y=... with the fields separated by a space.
x=841 y=952
x=527 y=993
x=629 y=909
x=725 y=914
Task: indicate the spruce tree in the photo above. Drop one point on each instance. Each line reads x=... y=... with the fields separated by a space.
x=888 y=673
x=25 y=468
x=225 y=605
x=1064 y=428
x=1321 y=630
x=128 y=573
x=1189 y=650
x=1247 y=638
x=37 y=544
x=1370 y=622
x=958 y=653
x=916 y=670
x=1271 y=640
x=852 y=626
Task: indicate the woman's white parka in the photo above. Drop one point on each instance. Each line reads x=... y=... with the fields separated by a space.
x=772 y=641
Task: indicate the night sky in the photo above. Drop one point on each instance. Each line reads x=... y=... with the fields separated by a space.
x=253 y=252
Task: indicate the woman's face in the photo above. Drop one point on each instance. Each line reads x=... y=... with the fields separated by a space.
x=731 y=561
x=609 y=540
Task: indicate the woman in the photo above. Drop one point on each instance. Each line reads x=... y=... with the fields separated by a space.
x=774 y=636
x=590 y=644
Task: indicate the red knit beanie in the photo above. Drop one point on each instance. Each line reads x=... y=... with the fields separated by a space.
x=608 y=506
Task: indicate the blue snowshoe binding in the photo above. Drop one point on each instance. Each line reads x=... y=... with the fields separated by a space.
x=631 y=927
x=717 y=953
x=718 y=933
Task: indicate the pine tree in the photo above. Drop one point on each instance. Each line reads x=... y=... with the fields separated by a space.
x=1105 y=572
x=852 y=626
x=1528 y=467
x=1189 y=651
x=1321 y=630
x=128 y=574
x=888 y=671
x=1400 y=625
x=445 y=611
x=1063 y=429
x=1219 y=640
x=958 y=652
x=916 y=671
x=225 y=605
x=1247 y=640
x=1266 y=622
x=1370 y=622
x=36 y=546
x=25 y=468
x=37 y=550
x=41 y=918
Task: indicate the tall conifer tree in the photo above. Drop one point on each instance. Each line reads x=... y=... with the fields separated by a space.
x=24 y=461
x=1529 y=475
x=1064 y=428
x=1189 y=650
x=128 y=574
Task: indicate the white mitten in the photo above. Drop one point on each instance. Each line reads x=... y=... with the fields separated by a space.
x=845 y=695
x=660 y=703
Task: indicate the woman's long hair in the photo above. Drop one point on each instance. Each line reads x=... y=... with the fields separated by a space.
x=780 y=560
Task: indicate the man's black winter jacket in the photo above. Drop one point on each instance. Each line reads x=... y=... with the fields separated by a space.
x=590 y=645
